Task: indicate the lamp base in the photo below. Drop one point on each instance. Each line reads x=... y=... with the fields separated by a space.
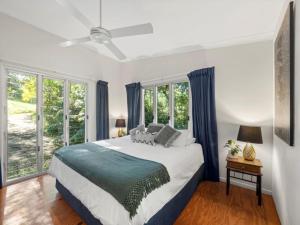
x=120 y=132
x=249 y=152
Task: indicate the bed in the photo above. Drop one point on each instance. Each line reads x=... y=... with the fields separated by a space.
x=185 y=166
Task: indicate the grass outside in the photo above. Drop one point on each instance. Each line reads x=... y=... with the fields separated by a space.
x=16 y=107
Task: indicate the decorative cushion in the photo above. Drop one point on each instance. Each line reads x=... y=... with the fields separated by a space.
x=145 y=137
x=133 y=132
x=154 y=127
x=166 y=136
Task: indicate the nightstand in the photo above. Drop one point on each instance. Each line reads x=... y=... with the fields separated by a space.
x=242 y=166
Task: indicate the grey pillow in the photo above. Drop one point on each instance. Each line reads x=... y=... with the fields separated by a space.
x=144 y=137
x=154 y=127
x=166 y=136
x=133 y=132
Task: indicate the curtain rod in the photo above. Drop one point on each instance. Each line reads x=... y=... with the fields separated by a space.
x=42 y=71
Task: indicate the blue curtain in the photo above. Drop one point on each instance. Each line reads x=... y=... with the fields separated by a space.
x=102 y=111
x=133 y=105
x=204 y=118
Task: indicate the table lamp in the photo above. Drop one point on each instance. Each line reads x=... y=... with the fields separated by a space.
x=249 y=135
x=120 y=123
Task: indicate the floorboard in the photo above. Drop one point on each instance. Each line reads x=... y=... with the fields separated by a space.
x=36 y=201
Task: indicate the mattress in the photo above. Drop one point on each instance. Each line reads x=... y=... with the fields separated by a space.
x=181 y=163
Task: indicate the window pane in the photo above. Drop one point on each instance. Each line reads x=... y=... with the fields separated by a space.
x=53 y=118
x=148 y=106
x=77 y=92
x=181 y=105
x=163 y=104
x=22 y=131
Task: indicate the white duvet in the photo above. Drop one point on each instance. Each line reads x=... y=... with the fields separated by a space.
x=181 y=163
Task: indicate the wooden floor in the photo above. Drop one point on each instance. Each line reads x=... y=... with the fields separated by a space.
x=36 y=201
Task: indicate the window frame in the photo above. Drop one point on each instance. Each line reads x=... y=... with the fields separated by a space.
x=171 y=101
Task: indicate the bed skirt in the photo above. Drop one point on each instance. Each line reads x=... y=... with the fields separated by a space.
x=165 y=216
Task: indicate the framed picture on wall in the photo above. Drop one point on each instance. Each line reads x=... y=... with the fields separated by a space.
x=284 y=78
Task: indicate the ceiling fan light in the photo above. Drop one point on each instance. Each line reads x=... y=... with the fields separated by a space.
x=100 y=35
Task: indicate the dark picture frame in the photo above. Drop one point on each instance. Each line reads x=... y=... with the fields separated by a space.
x=284 y=78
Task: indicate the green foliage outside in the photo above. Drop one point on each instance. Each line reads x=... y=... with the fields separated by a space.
x=16 y=83
x=148 y=106
x=53 y=111
x=181 y=105
x=77 y=113
x=163 y=104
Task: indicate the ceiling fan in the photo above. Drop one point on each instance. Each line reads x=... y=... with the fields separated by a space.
x=101 y=35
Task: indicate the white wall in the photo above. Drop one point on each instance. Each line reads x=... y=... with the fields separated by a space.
x=286 y=159
x=24 y=44
x=244 y=90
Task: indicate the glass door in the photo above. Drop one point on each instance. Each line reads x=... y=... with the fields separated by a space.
x=43 y=115
x=22 y=154
x=53 y=118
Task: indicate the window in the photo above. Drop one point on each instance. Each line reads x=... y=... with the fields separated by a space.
x=167 y=104
x=148 y=106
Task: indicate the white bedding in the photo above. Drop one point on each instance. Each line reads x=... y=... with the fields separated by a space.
x=181 y=163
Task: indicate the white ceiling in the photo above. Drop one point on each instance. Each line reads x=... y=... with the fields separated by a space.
x=178 y=25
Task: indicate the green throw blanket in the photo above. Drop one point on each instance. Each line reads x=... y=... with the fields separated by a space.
x=127 y=178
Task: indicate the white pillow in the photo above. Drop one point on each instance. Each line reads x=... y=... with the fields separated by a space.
x=190 y=141
x=184 y=139
x=181 y=139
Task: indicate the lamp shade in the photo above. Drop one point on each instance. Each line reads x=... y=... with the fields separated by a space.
x=250 y=134
x=120 y=123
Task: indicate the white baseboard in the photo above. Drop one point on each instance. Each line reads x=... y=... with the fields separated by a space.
x=245 y=185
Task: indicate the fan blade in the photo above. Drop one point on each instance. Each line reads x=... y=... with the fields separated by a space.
x=75 y=42
x=75 y=13
x=114 y=49
x=140 y=29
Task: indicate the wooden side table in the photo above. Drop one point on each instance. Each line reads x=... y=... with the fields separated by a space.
x=242 y=166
